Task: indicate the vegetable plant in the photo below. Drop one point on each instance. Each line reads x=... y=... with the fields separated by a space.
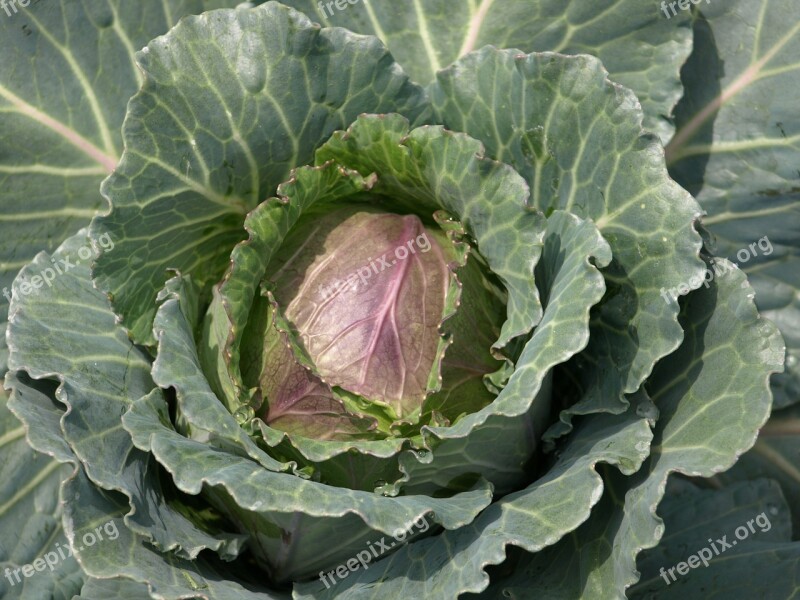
x=338 y=300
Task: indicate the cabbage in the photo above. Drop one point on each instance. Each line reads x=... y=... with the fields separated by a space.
x=425 y=320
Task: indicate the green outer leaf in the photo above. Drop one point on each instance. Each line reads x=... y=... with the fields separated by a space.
x=30 y=515
x=474 y=315
x=113 y=589
x=33 y=404
x=577 y=139
x=693 y=516
x=200 y=412
x=92 y=388
x=356 y=465
x=722 y=328
x=765 y=571
x=713 y=396
x=68 y=150
x=452 y=562
x=641 y=48
x=65 y=79
x=131 y=556
x=68 y=332
x=736 y=150
x=264 y=502
x=215 y=340
x=261 y=500
x=775 y=454
x=186 y=181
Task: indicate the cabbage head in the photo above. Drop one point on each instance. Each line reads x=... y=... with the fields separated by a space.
x=345 y=325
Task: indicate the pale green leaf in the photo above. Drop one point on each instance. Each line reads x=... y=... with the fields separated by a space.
x=232 y=101
x=641 y=48
x=130 y=556
x=578 y=141
x=30 y=513
x=113 y=589
x=736 y=149
x=66 y=74
x=740 y=530
x=452 y=563
x=68 y=333
x=705 y=421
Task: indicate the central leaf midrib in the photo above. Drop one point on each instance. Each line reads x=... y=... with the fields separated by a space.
x=474 y=29
x=102 y=125
x=107 y=161
x=751 y=75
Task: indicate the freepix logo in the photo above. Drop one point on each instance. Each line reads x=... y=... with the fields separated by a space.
x=365 y=557
x=13 y=5
x=350 y=282
x=682 y=4
x=705 y=555
x=61 y=552
x=718 y=269
x=48 y=275
x=339 y=4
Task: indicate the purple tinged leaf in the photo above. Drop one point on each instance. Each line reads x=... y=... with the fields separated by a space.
x=365 y=292
x=298 y=401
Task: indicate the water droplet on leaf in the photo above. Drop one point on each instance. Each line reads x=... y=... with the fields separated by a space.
x=244 y=414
